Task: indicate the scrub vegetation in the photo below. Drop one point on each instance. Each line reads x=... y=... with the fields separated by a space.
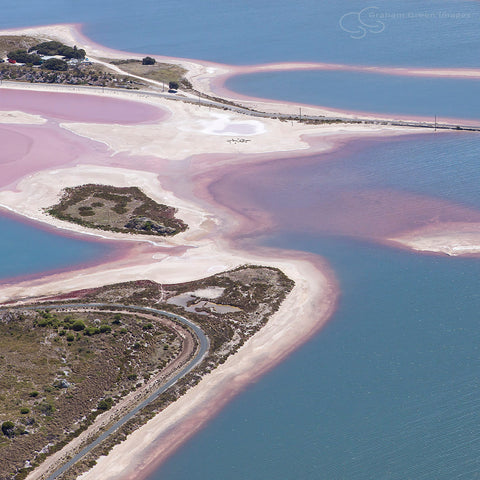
x=59 y=370
x=160 y=72
x=125 y=210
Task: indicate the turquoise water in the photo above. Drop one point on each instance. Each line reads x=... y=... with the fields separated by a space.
x=388 y=390
x=367 y=92
x=400 y=32
x=27 y=250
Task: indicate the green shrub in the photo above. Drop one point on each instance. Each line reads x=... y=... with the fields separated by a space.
x=46 y=408
x=78 y=326
x=91 y=331
x=24 y=410
x=105 y=404
x=7 y=428
x=105 y=328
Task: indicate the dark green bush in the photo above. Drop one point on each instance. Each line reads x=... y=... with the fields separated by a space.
x=148 y=61
x=78 y=326
x=55 y=64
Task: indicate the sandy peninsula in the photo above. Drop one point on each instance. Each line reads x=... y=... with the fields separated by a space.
x=450 y=238
x=171 y=158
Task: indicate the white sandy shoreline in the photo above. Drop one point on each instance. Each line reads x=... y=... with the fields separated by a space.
x=204 y=249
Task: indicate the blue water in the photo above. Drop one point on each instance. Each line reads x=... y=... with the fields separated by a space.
x=399 y=32
x=367 y=92
x=27 y=250
x=442 y=165
x=388 y=390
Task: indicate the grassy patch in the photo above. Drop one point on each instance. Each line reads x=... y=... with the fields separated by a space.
x=160 y=72
x=14 y=42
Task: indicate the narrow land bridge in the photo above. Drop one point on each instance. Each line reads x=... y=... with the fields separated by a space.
x=207 y=101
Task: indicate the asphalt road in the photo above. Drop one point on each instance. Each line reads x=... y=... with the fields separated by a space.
x=206 y=102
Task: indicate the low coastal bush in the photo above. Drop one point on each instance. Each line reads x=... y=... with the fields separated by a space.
x=7 y=428
x=78 y=326
x=105 y=404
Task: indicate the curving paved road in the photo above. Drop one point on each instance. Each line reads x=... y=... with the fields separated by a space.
x=204 y=345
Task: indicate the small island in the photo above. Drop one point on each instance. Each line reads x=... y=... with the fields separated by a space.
x=116 y=209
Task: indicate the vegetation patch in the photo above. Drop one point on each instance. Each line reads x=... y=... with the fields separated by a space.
x=55 y=62
x=15 y=42
x=125 y=210
x=160 y=72
x=59 y=370
x=53 y=47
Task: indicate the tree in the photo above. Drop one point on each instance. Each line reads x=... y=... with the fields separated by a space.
x=21 y=56
x=79 y=53
x=55 y=64
x=46 y=408
x=173 y=85
x=47 y=48
x=148 y=61
x=58 y=48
